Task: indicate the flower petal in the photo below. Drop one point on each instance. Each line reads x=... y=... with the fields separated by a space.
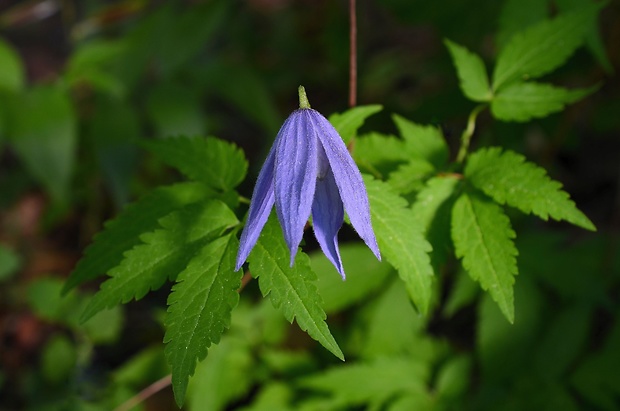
x=260 y=208
x=327 y=218
x=348 y=179
x=295 y=176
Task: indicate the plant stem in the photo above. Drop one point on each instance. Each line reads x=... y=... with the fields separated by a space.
x=468 y=133
x=352 y=54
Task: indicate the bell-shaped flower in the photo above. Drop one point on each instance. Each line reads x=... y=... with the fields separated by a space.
x=309 y=170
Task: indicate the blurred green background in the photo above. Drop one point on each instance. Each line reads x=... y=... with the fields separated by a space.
x=82 y=82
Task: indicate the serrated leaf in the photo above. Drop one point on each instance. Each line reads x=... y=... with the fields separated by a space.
x=432 y=208
x=12 y=73
x=401 y=240
x=42 y=128
x=523 y=101
x=509 y=179
x=365 y=274
x=122 y=233
x=348 y=122
x=473 y=77
x=424 y=142
x=291 y=289
x=409 y=177
x=379 y=153
x=165 y=253
x=483 y=239
x=216 y=163
x=543 y=47
x=374 y=382
x=199 y=308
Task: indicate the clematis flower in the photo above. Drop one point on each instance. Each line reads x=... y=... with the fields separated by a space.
x=309 y=170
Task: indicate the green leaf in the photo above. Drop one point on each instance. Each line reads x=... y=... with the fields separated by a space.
x=199 y=308
x=216 y=163
x=543 y=47
x=379 y=153
x=175 y=110
x=523 y=101
x=58 y=359
x=348 y=122
x=393 y=327
x=401 y=241
x=509 y=179
x=292 y=289
x=409 y=177
x=122 y=233
x=12 y=73
x=483 y=239
x=433 y=208
x=374 y=382
x=43 y=131
x=517 y=15
x=473 y=77
x=365 y=274
x=165 y=253
x=226 y=374
x=424 y=142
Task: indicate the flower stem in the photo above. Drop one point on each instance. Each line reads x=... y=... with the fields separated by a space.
x=352 y=54
x=303 y=99
x=468 y=133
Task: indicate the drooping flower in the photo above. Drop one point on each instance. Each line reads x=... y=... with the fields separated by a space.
x=309 y=170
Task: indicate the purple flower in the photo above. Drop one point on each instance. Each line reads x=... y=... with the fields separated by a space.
x=309 y=170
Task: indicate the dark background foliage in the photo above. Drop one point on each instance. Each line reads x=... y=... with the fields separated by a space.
x=139 y=69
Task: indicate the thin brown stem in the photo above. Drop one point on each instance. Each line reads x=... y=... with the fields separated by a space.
x=352 y=54
x=143 y=395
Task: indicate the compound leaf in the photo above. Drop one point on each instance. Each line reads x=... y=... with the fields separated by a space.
x=292 y=289
x=165 y=253
x=401 y=240
x=199 y=308
x=509 y=179
x=483 y=239
x=122 y=233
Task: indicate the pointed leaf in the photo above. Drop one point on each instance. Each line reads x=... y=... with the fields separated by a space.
x=543 y=47
x=524 y=101
x=122 y=233
x=348 y=122
x=432 y=209
x=409 y=177
x=214 y=162
x=424 y=142
x=483 y=239
x=473 y=77
x=401 y=241
x=164 y=253
x=509 y=179
x=292 y=289
x=199 y=308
